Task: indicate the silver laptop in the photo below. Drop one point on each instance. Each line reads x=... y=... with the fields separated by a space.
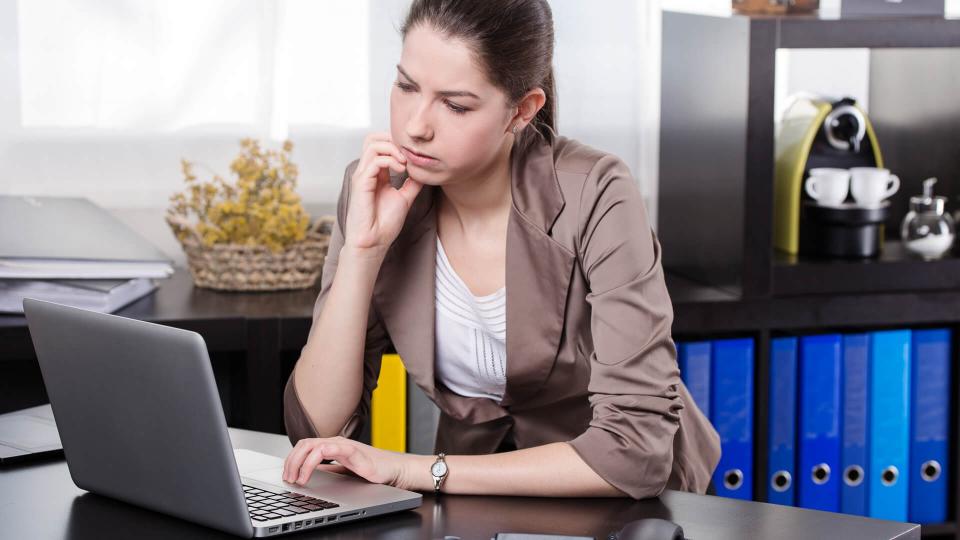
x=140 y=419
x=28 y=434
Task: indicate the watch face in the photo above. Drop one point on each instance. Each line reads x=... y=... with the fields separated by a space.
x=439 y=468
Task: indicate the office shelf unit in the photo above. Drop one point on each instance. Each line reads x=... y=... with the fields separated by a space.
x=717 y=139
x=716 y=191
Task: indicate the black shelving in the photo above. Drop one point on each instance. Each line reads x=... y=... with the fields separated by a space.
x=806 y=32
x=717 y=140
x=716 y=191
x=895 y=269
x=939 y=530
x=704 y=309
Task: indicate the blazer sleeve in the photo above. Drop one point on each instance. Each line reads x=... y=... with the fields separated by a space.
x=634 y=378
x=295 y=418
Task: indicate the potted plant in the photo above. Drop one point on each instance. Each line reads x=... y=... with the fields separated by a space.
x=251 y=234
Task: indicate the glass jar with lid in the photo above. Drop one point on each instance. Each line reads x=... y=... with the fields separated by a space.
x=927 y=230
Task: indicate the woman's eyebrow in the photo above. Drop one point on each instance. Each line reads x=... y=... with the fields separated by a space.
x=444 y=93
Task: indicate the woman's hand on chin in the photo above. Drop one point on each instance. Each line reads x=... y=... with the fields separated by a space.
x=376 y=210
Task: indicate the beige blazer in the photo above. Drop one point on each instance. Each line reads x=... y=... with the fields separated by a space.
x=590 y=359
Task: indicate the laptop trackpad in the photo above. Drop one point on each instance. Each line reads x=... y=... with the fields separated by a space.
x=343 y=489
x=249 y=461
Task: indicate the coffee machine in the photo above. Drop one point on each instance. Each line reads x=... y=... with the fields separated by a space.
x=820 y=132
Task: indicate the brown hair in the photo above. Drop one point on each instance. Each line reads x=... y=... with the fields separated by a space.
x=513 y=43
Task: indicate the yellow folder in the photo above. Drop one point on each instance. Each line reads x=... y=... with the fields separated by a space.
x=388 y=406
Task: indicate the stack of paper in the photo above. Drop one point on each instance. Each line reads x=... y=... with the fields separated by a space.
x=105 y=296
x=46 y=241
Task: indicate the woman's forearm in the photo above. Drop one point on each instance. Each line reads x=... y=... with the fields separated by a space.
x=551 y=470
x=329 y=374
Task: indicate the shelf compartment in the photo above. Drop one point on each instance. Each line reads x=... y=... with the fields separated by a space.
x=894 y=270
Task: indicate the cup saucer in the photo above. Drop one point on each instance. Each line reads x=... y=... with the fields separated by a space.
x=852 y=205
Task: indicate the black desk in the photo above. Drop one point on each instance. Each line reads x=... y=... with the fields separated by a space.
x=39 y=501
x=259 y=334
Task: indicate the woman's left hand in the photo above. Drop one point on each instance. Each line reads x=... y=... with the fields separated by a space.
x=372 y=464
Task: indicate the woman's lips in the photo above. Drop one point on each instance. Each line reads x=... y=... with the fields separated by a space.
x=419 y=160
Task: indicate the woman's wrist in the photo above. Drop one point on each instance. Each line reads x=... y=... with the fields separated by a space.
x=363 y=255
x=415 y=473
x=362 y=265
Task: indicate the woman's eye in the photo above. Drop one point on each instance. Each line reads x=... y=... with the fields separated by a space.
x=406 y=88
x=456 y=109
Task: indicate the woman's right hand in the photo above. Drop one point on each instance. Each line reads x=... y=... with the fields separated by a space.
x=376 y=210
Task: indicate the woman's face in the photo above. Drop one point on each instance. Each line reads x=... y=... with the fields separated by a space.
x=442 y=106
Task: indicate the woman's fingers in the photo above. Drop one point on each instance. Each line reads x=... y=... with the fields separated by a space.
x=371 y=156
x=308 y=455
x=409 y=190
x=375 y=214
x=295 y=459
x=382 y=165
x=310 y=464
x=382 y=148
x=335 y=468
x=375 y=137
x=351 y=457
x=382 y=162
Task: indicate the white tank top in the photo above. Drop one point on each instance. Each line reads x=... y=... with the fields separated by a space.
x=471 y=335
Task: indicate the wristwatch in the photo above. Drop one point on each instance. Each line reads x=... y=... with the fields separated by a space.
x=439 y=471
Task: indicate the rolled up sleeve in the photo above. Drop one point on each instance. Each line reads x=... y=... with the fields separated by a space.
x=634 y=379
x=296 y=419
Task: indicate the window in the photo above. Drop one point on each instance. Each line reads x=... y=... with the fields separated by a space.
x=152 y=66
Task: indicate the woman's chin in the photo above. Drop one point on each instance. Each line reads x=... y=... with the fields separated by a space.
x=426 y=178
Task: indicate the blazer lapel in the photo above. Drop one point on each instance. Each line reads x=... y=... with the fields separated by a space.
x=404 y=292
x=538 y=274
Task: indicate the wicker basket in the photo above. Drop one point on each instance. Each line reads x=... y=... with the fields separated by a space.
x=775 y=7
x=237 y=267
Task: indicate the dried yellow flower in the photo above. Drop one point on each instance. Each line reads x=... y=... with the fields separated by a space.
x=261 y=208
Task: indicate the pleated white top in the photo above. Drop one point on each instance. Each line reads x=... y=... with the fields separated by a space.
x=471 y=335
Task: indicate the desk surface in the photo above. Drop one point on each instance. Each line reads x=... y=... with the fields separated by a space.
x=177 y=299
x=39 y=501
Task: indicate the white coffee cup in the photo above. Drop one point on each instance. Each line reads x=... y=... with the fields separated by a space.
x=870 y=186
x=829 y=187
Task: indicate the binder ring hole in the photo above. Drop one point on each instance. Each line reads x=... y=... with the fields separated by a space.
x=821 y=474
x=930 y=470
x=733 y=479
x=889 y=476
x=853 y=475
x=781 y=481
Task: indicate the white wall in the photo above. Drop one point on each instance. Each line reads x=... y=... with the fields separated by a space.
x=608 y=71
x=602 y=59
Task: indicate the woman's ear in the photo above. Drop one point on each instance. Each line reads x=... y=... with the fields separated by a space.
x=527 y=109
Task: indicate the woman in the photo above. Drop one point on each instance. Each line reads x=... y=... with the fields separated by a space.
x=515 y=273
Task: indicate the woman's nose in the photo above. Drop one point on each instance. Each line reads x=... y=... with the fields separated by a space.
x=419 y=125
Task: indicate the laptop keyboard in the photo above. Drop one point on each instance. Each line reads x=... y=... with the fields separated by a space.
x=265 y=505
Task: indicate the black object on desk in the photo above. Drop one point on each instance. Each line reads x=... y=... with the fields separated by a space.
x=649 y=529
x=641 y=529
x=39 y=501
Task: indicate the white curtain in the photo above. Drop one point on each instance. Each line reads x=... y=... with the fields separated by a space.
x=102 y=98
